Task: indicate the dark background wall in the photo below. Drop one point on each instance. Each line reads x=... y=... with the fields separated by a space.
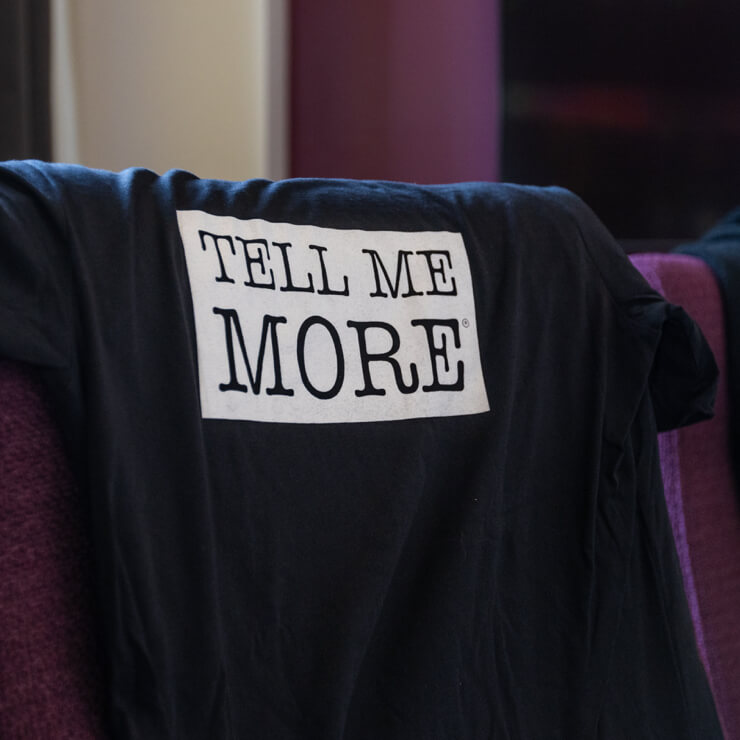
x=395 y=89
x=633 y=104
x=25 y=129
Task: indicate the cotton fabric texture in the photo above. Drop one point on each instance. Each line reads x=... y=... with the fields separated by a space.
x=494 y=560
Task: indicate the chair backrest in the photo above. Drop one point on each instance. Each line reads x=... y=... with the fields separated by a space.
x=49 y=675
x=702 y=497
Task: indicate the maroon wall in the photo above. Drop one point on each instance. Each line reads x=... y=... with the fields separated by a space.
x=395 y=89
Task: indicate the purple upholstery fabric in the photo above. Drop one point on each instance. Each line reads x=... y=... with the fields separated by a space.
x=700 y=490
x=49 y=680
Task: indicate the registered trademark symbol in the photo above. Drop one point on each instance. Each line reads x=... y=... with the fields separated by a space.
x=465 y=323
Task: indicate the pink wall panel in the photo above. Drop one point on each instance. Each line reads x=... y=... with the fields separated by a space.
x=395 y=89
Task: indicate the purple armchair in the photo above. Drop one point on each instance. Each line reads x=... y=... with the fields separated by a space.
x=703 y=500
x=49 y=676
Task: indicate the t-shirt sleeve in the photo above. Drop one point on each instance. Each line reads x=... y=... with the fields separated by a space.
x=35 y=323
x=669 y=347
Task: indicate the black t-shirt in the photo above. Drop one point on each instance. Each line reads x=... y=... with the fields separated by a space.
x=363 y=460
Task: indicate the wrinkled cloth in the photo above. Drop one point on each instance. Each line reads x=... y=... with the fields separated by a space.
x=362 y=459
